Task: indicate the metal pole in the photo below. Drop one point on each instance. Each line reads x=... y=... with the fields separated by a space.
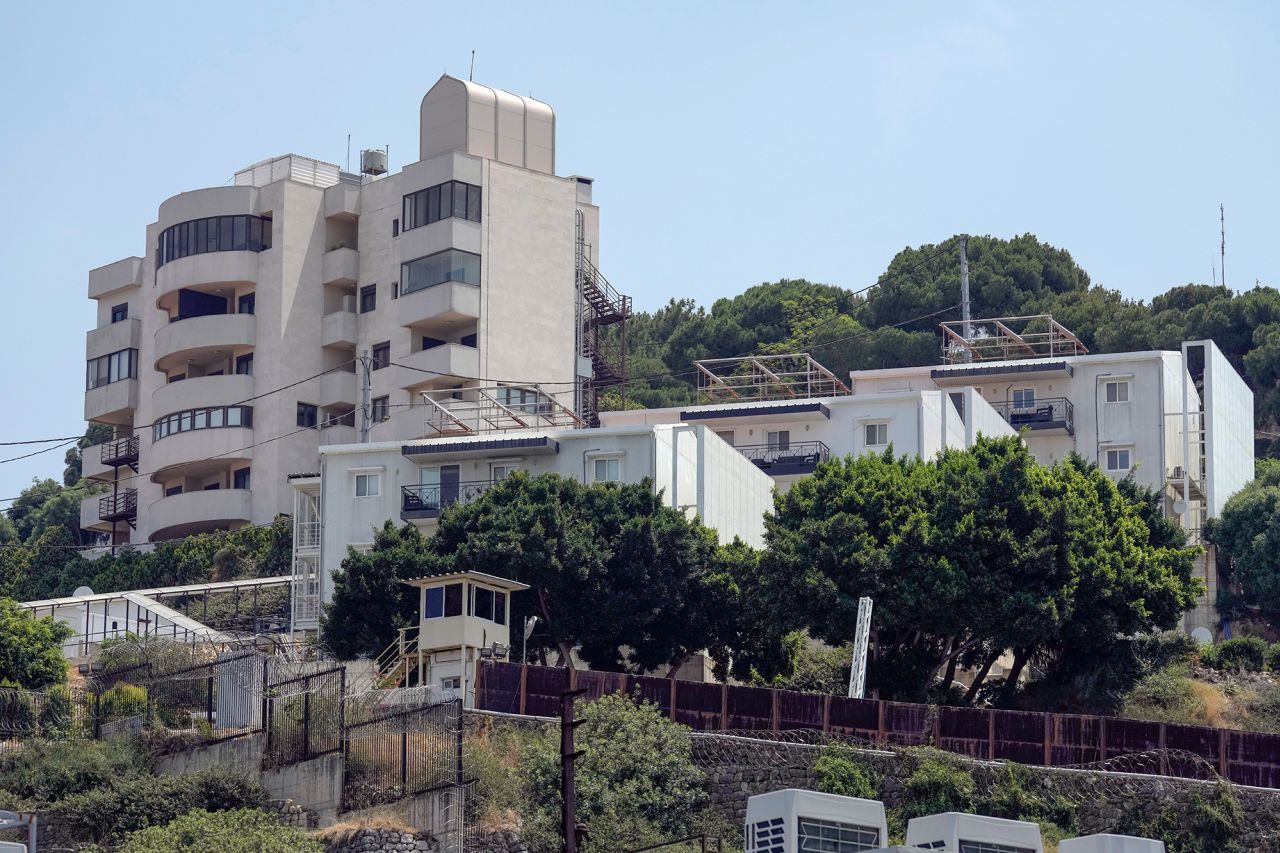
x=568 y=787
x=966 y=329
x=365 y=380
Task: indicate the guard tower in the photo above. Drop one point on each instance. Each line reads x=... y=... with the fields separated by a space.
x=793 y=821
x=957 y=831
x=462 y=617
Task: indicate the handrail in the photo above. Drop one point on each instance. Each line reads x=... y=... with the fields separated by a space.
x=794 y=451
x=437 y=497
x=1043 y=410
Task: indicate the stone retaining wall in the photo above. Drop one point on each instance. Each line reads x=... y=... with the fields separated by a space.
x=382 y=840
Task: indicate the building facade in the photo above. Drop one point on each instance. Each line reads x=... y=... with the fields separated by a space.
x=304 y=306
x=362 y=486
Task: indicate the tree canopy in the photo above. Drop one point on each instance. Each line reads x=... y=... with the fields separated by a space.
x=1248 y=538
x=30 y=648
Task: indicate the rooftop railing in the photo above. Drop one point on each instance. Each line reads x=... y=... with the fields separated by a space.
x=1044 y=413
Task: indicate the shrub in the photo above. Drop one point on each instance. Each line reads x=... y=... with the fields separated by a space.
x=1011 y=797
x=123 y=700
x=106 y=814
x=1209 y=825
x=43 y=772
x=493 y=759
x=233 y=831
x=1248 y=654
x=840 y=772
x=17 y=711
x=937 y=786
x=637 y=783
x=56 y=714
x=1273 y=657
x=1169 y=696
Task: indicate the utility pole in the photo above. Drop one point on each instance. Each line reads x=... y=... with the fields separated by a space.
x=366 y=381
x=568 y=786
x=966 y=329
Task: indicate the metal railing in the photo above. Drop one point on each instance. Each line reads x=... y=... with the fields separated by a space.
x=796 y=453
x=118 y=506
x=1044 y=413
x=435 y=498
x=787 y=376
x=120 y=451
x=307 y=534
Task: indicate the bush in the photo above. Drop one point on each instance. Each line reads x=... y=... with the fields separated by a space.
x=493 y=759
x=1210 y=825
x=637 y=783
x=937 y=786
x=17 y=711
x=840 y=772
x=1169 y=696
x=106 y=814
x=121 y=701
x=234 y=831
x=44 y=772
x=1011 y=797
x=56 y=716
x=1247 y=654
x=1273 y=657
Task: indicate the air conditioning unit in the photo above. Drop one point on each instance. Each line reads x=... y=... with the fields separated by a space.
x=793 y=821
x=953 y=831
x=373 y=162
x=1110 y=844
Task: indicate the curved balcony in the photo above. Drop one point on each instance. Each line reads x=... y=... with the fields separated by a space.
x=210 y=272
x=199 y=512
x=199 y=391
x=199 y=452
x=210 y=201
x=440 y=306
x=199 y=337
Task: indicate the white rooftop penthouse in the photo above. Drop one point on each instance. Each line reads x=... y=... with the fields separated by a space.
x=1105 y=843
x=955 y=832
x=797 y=821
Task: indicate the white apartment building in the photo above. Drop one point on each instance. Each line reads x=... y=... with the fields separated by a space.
x=362 y=486
x=240 y=341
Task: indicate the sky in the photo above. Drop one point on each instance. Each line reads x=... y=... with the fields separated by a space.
x=732 y=143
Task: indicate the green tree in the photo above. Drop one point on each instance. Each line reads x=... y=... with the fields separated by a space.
x=369 y=601
x=31 y=648
x=94 y=435
x=1247 y=535
x=234 y=831
x=609 y=566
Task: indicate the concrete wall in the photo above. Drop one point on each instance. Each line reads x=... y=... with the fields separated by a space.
x=316 y=785
x=1229 y=448
x=239 y=755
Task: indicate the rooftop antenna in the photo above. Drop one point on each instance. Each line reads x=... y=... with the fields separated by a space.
x=1222 y=223
x=348 y=152
x=1215 y=275
x=471 y=75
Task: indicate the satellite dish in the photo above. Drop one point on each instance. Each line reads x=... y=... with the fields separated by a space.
x=1203 y=636
x=1179 y=506
x=82 y=591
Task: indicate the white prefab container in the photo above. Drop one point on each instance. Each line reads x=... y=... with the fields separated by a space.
x=967 y=833
x=1104 y=843
x=793 y=821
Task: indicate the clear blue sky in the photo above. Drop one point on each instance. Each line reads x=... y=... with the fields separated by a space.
x=732 y=143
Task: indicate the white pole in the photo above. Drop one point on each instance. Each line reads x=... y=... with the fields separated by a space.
x=858 y=671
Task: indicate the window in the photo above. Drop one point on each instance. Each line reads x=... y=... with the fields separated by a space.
x=214 y=234
x=106 y=369
x=829 y=836
x=380 y=410
x=177 y=377
x=990 y=847
x=368 y=298
x=726 y=435
x=395 y=228
x=468 y=340
x=875 y=435
x=368 y=485
x=1117 y=392
x=1118 y=460
x=779 y=440
x=429 y=342
x=246 y=303
x=119 y=312
x=482 y=602
x=306 y=415
x=172 y=490
x=453 y=599
x=207 y=418
x=607 y=469
x=1024 y=398
x=501 y=471
x=449 y=265
x=381 y=355
x=450 y=199
x=244 y=364
x=526 y=400
x=240 y=479
x=434 y=607
x=451 y=682
x=213 y=487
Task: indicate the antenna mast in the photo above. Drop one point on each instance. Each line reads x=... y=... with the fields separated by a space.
x=471 y=76
x=1222 y=223
x=966 y=329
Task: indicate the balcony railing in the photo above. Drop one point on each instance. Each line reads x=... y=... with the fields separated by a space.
x=1046 y=413
x=122 y=451
x=121 y=506
x=307 y=534
x=800 y=457
x=428 y=501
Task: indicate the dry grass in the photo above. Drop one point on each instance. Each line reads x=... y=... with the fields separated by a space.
x=342 y=833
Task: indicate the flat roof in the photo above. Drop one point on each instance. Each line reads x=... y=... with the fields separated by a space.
x=754 y=410
x=544 y=443
x=159 y=591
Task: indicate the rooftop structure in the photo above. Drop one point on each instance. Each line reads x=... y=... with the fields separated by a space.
x=791 y=376
x=1037 y=336
x=798 y=821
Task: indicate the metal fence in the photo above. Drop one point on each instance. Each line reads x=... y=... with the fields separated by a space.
x=303 y=715
x=409 y=746
x=1026 y=737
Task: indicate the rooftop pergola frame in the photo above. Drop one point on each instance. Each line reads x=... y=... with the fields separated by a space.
x=790 y=376
x=1008 y=339
x=477 y=411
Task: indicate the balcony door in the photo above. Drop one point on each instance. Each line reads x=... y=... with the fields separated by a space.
x=439 y=485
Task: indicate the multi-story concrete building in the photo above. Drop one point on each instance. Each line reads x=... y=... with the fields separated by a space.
x=362 y=486
x=303 y=305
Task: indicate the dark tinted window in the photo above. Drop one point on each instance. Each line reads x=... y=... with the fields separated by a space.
x=214 y=234
x=208 y=418
x=368 y=298
x=120 y=312
x=306 y=415
x=247 y=303
x=449 y=265
x=450 y=199
x=381 y=355
x=453 y=599
x=241 y=479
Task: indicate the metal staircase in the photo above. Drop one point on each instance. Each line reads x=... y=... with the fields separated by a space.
x=600 y=306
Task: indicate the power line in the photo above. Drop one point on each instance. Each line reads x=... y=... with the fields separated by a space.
x=41 y=440
x=38 y=452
